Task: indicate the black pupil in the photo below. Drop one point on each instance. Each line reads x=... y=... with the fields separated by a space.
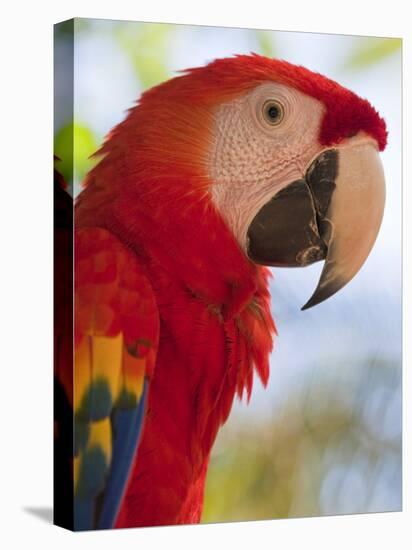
x=273 y=112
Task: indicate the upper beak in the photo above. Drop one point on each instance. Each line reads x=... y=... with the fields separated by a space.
x=334 y=213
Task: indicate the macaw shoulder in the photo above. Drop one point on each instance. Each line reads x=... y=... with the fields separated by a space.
x=116 y=341
x=113 y=295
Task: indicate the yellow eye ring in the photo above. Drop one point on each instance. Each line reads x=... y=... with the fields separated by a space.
x=273 y=112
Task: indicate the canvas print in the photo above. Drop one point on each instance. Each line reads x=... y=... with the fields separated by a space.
x=227 y=244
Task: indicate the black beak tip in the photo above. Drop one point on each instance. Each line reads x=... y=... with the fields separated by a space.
x=310 y=303
x=323 y=292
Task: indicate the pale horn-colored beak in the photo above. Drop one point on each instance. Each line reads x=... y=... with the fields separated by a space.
x=352 y=221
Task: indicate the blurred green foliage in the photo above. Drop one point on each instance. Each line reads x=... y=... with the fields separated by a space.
x=65 y=29
x=74 y=144
x=369 y=51
x=266 y=43
x=278 y=469
x=147 y=47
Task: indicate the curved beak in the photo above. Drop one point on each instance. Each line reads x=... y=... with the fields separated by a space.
x=352 y=222
x=334 y=214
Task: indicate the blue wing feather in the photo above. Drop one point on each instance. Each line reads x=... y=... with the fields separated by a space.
x=127 y=427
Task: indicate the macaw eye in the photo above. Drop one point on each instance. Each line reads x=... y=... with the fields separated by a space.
x=273 y=112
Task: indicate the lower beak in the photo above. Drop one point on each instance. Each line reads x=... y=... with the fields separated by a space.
x=333 y=214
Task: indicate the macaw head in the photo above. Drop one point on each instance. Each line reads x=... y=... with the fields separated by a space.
x=289 y=159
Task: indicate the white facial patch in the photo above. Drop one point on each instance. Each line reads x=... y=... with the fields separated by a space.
x=251 y=159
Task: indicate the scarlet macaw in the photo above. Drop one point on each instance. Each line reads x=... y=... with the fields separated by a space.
x=244 y=163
